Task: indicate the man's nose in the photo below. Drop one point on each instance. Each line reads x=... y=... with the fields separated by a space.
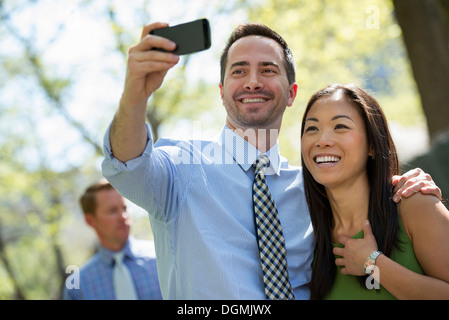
x=253 y=82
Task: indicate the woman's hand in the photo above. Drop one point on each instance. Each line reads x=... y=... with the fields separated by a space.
x=355 y=252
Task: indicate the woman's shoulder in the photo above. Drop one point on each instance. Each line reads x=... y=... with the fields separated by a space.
x=418 y=201
x=420 y=210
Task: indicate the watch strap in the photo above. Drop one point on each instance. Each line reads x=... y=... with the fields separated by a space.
x=371 y=261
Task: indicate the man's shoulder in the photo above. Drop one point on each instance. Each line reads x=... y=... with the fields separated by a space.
x=91 y=264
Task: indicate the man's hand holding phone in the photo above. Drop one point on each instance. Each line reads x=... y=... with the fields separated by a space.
x=158 y=51
x=147 y=67
x=190 y=37
x=145 y=73
x=148 y=63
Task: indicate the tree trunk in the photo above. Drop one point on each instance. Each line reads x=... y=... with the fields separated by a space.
x=18 y=294
x=425 y=31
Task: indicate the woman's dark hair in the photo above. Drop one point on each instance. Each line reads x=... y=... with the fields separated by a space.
x=382 y=211
x=257 y=29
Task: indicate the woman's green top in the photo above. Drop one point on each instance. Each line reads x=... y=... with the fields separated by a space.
x=347 y=287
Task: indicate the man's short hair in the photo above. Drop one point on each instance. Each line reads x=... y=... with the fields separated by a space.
x=257 y=29
x=88 y=200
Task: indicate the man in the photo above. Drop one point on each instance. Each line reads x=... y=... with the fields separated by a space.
x=105 y=211
x=198 y=193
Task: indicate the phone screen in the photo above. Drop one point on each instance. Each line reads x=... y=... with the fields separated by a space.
x=189 y=37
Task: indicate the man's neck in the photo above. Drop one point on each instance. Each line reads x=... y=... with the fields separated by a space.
x=262 y=139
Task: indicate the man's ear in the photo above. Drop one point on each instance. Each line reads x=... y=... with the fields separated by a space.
x=220 y=85
x=292 y=94
x=90 y=219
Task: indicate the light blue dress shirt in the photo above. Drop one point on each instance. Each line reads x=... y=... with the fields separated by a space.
x=95 y=277
x=199 y=198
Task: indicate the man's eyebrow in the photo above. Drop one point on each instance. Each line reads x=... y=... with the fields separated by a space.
x=239 y=64
x=269 y=63
x=246 y=63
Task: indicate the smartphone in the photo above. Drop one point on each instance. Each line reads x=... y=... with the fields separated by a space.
x=189 y=37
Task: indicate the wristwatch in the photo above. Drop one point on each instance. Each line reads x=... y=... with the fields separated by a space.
x=371 y=262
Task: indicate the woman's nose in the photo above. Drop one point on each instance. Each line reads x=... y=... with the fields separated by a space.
x=325 y=140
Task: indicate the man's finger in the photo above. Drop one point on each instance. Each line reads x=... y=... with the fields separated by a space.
x=433 y=190
x=409 y=175
x=152 y=26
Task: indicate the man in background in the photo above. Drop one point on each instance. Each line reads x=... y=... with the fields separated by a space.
x=123 y=268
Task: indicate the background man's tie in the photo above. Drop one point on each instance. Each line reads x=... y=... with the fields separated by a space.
x=273 y=258
x=123 y=281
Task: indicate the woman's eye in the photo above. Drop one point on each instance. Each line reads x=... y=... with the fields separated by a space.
x=341 y=126
x=311 y=128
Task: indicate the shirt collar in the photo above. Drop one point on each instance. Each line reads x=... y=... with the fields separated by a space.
x=244 y=153
x=108 y=255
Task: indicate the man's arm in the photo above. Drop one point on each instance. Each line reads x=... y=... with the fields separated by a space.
x=145 y=73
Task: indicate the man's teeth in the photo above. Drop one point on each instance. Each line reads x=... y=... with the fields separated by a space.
x=327 y=159
x=253 y=100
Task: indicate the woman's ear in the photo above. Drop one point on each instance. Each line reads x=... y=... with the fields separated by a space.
x=371 y=152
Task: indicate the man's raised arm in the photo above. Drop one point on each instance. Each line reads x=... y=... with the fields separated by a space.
x=145 y=73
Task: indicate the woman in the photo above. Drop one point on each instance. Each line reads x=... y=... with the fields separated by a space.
x=348 y=160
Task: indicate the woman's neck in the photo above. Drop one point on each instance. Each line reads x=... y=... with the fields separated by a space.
x=349 y=206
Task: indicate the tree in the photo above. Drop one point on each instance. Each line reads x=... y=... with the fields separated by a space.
x=425 y=30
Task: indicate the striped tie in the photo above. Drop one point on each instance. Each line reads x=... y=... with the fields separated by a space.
x=273 y=258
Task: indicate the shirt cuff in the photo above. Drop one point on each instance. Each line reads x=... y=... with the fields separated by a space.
x=116 y=165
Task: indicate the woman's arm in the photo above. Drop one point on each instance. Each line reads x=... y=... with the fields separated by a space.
x=426 y=222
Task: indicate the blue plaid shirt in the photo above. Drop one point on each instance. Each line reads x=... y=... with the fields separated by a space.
x=95 y=281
